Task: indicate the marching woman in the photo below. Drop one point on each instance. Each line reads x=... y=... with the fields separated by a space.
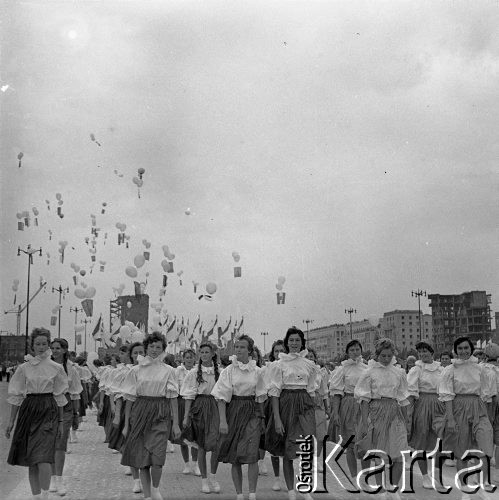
x=239 y=391
x=382 y=392
x=70 y=416
x=37 y=397
x=467 y=388
x=292 y=386
x=151 y=386
x=277 y=348
x=345 y=410
x=104 y=414
x=201 y=421
x=428 y=417
x=116 y=438
x=188 y=361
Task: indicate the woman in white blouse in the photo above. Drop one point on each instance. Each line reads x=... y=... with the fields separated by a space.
x=466 y=388
x=150 y=390
x=346 y=411
x=59 y=349
x=293 y=380
x=428 y=417
x=37 y=397
x=382 y=393
x=239 y=391
x=201 y=421
x=188 y=361
x=105 y=413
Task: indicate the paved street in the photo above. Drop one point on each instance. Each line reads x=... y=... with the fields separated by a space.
x=93 y=472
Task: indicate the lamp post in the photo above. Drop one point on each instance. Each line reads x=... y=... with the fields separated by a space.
x=308 y=321
x=264 y=336
x=76 y=310
x=29 y=252
x=85 y=341
x=351 y=311
x=419 y=293
x=61 y=291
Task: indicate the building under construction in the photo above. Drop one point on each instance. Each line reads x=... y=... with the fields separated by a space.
x=467 y=314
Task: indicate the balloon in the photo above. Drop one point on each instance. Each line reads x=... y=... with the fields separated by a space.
x=281 y=280
x=83 y=284
x=25 y=213
x=19 y=215
x=141 y=170
x=188 y=211
x=211 y=288
x=58 y=196
x=165 y=265
x=131 y=272
x=129 y=305
x=136 y=180
x=80 y=294
x=20 y=155
x=140 y=183
x=76 y=269
x=125 y=332
x=90 y=292
x=83 y=272
x=236 y=256
x=35 y=211
x=180 y=273
x=104 y=204
x=139 y=260
x=137 y=336
x=16 y=282
x=279 y=286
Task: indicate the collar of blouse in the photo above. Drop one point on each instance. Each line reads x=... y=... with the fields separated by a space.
x=468 y=361
x=34 y=360
x=350 y=361
x=377 y=364
x=147 y=360
x=431 y=367
x=293 y=355
x=250 y=365
x=209 y=370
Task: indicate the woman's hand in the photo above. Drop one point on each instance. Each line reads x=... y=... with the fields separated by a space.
x=100 y=408
x=336 y=418
x=279 y=428
x=451 y=425
x=224 y=428
x=125 y=431
x=116 y=419
x=176 y=431
x=186 y=421
x=9 y=430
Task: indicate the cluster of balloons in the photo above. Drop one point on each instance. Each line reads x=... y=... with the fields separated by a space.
x=103 y=210
x=131 y=271
x=20 y=157
x=167 y=253
x=62 y=248
x=211 y=288
x=24 y=219
x=236 y=256
x=280 y=282
x=82 y=293
x=129 y=333
x=138 y=180
x=119 y=290
x=15 y=285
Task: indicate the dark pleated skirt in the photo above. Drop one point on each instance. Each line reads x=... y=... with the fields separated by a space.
x=245 y=420
x=116 y=438
x=297 y=411
x=495 y=421
x=203 y=428
x=34 y=437
x=105 y=419
x=428 y=422
x=145 y=444
x=61 y=443
x=83 y=401
x=181 y=413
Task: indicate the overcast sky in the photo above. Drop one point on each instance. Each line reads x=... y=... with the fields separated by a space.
x=351 y=147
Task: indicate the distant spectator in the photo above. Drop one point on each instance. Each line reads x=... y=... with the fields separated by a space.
x=224 y=360
x=410 y=363
x=445 y=358
x=3 y=372
x=480 y=355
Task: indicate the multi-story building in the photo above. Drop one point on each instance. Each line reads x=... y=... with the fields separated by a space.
x=402 y=326
x=495 y=336
x=457 y=315
x=329 y=341
x=12 y=348
x=365 y=332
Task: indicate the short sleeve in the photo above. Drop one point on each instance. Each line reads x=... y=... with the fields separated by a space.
x=222 y=391
x=362 y=391
x=337 y=382
x=171 y=384
x=446 y=386
x=488 y=385
x=129 y=386
x=314 y=379
x=413 y=381
x=61 y=386
x=17 y=387
x=261 y=387
x=274 y=378
x=189 y=388
x=402 y=391
x=75 y=387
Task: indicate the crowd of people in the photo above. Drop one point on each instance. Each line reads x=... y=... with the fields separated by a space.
x=238 y=409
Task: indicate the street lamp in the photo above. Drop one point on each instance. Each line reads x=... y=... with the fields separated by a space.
x=308 y=321
x=29 y=252
x=351 y=311
x=61 y=291
x=419 y=293
x=76 y=310
x=264 y=336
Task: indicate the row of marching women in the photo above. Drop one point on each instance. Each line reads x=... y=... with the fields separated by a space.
x=234 y=414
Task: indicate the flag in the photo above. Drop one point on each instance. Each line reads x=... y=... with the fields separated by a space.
x=222 y=334
x=281 y=297
x=210 y=332
x=172 y=325
x=196 y=324
x=97 y=333
x=53 y=320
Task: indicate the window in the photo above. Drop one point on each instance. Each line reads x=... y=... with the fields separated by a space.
x=410 y=317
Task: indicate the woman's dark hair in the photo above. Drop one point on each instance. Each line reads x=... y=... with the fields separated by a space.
x=251 y=342
x=424 y=345
x=65 y=356
x=199 y=375
x=170 y=360
x=80 y=361
x=132 y=347
x=154 y=337
x=258 y=354
x=225 y=360
x=97 y=362
x=188 y=351
x=294 y=331
x=115 y=356
x=314 y=354
x=276 y=343
x=39 y=332
x=107 y=359
x=446 y=353
x=460 y=340
x=124 y=348
x=351 y=344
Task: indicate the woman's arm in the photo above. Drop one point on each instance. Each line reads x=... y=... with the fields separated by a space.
x=13 y=414
x=128 y=408
x=224 y=428
x=279 y=428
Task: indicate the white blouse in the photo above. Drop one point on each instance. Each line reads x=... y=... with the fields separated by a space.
x=467 y=377
x=380 y=381
x=424 y=377
x=74 y=382
x=150 y=377
x=105 y=374
x=494 y=369
x=117 y=378
x=344 y=378
x=240 y=379
x=292 y=371
x=38 y=375
x=181 y=374
x=85 y=373
x=191 y=388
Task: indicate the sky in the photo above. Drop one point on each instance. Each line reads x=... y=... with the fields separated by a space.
x=350 y=147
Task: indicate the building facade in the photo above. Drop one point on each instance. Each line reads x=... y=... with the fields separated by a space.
x=402 y=326
x=466 y=314
x=12 y=348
